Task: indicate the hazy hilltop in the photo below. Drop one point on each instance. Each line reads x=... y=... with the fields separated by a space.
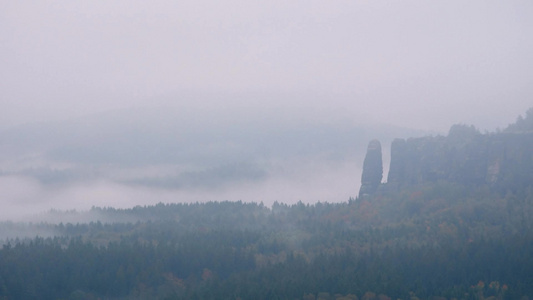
x=159 y=136
x=522 y=124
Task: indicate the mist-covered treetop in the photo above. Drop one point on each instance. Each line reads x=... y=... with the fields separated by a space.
x=522 y=124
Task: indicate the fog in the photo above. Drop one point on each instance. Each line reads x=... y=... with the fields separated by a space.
x=124 y=158
x=128 y=103
x=25 y=199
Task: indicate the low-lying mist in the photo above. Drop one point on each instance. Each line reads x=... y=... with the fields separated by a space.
x=26 y=198
x=126 y=158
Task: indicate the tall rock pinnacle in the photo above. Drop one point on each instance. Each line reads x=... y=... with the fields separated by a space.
x=372 y=169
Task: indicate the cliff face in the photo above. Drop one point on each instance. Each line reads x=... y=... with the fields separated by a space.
x=372 y=169
x=503 y=160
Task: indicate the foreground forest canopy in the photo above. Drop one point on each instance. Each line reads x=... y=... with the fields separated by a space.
x=441 y=241
x=430 y=240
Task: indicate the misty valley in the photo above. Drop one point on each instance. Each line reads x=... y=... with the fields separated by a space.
x=453 y=220
x=243 y=150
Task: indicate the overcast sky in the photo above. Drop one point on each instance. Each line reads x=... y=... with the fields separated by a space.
x=422 y=64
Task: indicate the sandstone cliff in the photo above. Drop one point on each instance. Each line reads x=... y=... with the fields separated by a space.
x=372 y=169
x=501 y=160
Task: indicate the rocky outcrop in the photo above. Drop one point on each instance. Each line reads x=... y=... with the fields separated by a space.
x=372 y=169
x=502 y=160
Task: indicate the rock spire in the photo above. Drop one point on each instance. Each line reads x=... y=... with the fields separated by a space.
x=372 y=169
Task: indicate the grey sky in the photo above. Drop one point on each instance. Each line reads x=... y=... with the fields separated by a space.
x=422 y=64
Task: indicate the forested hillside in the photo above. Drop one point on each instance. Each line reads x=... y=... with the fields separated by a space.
x=440 y=241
